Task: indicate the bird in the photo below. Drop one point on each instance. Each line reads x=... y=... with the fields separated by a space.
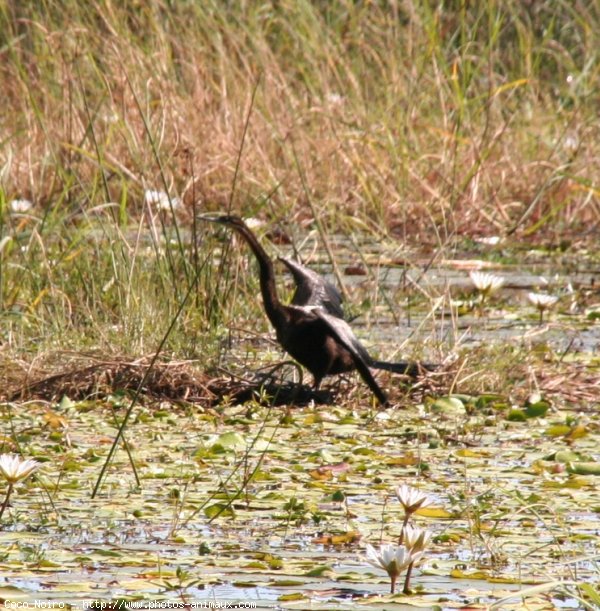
x=314 y=290
x=320 y=341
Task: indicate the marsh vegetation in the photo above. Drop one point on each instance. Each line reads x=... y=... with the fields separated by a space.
x=394 y=147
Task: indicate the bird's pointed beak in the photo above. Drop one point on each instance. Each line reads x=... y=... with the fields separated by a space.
x=211 y=218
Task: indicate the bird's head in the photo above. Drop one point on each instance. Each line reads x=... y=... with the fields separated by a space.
x=241 y=227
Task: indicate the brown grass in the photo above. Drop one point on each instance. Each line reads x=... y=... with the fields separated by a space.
x=81 y=377
x=476 y=122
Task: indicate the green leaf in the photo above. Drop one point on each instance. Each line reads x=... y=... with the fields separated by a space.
x=565 y=456
x=584 y=468
x=320 y=571
x=221 y=510
x=535 y=410
x=232 y=440
x=66 y=403
x=557 y=430
x=590 y=592
x=449 y=405
x=291 y=597
x=516 y=415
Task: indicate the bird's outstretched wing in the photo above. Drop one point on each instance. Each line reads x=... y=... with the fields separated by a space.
x=342 y=332
x=314 y=290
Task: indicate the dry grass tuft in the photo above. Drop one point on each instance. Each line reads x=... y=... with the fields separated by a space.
x=519 y=373
x=573 y=383
x=86 y=376
x=81 y=376
x=89 y=376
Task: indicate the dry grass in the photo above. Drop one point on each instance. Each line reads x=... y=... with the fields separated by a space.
x=79 y=376
x=87 y=376
x=401 y=116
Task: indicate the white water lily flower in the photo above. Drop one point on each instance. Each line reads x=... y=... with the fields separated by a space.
x=542 y=301
x=492 y=240
x=161 y=200
x=20 y=205
x=486 y=283
x=415 y=539
x=13 y=468
x=412 y=499
x=390 y=558
x=393 y=559
x=254 y=223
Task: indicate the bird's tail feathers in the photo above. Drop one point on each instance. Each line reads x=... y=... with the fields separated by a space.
x=412 y=369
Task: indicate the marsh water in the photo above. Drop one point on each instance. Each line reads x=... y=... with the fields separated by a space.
x=397 y=295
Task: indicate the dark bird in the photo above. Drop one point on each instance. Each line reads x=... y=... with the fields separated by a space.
x=319 y=341
x=314 y=290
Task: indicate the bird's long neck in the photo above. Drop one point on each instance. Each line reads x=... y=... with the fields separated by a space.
x=273 y=307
